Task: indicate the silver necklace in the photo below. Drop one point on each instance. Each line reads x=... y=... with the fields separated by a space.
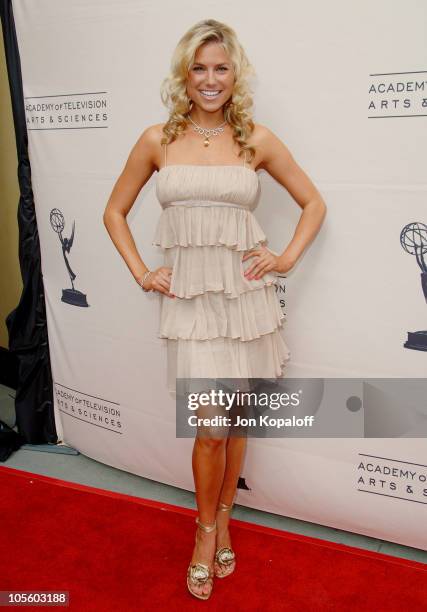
x=207 y=132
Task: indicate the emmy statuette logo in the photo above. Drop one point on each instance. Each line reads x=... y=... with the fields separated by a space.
x=69 y=296
x=413 y=239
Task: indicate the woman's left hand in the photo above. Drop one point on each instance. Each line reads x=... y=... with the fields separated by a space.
x=265 y=262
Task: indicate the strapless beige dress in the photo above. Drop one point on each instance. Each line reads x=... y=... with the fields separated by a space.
x=220 y=324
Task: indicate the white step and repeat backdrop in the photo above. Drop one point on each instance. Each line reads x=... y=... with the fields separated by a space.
x=338 y=83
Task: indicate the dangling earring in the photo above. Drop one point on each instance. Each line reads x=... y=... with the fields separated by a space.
x=189 y=106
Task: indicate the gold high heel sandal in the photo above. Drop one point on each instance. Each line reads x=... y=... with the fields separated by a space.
x=198 y=573
x=225 y=556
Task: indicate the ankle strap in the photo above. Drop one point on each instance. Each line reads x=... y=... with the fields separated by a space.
x=206 y=528
x=224 y=507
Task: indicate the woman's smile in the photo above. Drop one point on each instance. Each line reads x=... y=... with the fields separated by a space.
x=210 y=94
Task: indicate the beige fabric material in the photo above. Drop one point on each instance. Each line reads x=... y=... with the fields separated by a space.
x=220 y=325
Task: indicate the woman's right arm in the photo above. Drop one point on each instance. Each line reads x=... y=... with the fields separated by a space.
x=139 y=167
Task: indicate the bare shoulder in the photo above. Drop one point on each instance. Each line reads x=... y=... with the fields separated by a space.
x=273 y=155
x=262 y=135
x=148 y=145
x=268 y=145
x=155 y=131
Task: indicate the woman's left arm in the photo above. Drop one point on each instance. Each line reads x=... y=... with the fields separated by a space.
x=278 y=161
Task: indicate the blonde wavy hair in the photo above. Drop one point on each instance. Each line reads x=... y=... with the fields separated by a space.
x=237 y=110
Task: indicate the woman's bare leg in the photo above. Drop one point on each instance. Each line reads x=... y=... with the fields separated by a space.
x=235 y=452
x=208 y=461
x=216 y=461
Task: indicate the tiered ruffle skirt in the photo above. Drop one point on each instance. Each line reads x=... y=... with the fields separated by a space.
x=220 y=324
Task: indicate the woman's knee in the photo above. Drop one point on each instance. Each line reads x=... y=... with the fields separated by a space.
x=210 y=442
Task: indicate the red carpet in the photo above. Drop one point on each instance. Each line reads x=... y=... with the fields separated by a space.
x=118 y=552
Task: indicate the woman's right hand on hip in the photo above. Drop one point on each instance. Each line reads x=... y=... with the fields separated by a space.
x=159 y=280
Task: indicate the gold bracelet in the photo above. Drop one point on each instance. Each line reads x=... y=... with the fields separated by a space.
x=142 y=281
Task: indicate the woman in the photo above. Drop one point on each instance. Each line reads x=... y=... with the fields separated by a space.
x=206 y=155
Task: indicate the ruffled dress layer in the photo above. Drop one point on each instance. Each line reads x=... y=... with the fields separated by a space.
x=221 y=325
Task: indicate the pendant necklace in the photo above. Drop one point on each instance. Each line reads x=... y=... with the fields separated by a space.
x=207 y=132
